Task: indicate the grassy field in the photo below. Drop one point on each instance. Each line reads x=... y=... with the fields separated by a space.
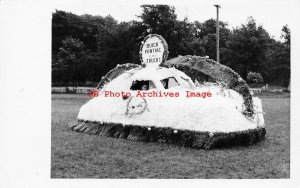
x=77 y=155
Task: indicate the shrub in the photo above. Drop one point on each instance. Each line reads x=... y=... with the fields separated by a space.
x=255 y=79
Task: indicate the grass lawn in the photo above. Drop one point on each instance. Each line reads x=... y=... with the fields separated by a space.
x=78 y=155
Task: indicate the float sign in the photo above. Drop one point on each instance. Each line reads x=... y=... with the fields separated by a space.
x=153 y=50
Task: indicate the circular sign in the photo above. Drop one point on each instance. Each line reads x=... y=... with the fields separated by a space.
x=154 y=50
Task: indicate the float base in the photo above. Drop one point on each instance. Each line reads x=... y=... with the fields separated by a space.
x=186 y=138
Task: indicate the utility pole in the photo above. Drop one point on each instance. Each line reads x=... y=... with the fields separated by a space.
x=217 y=27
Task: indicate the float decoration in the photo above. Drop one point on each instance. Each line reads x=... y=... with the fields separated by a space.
x=192 y=65
x=112 y=74
x=153 y=50
x=235 y=118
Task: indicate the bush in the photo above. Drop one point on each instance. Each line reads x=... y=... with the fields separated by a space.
x=285 y=84
x=255 y=79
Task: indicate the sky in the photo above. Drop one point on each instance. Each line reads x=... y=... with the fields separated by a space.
x=272 y=15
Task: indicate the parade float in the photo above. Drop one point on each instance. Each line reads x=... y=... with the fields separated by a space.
x=168 y=101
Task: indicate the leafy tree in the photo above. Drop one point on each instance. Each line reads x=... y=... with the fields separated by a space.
x=179 y=35
x=207 y=33
x=279 y=59
x=161 y=19
x=90 y=67
x=68 y=55
x=283 y=58
x=286 y=35
x=86 y=47
x=247 y=47
x=182 y=41
x=66 y=24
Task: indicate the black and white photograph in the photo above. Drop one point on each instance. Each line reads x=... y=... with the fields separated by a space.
x=164 y=97
x=166 y=90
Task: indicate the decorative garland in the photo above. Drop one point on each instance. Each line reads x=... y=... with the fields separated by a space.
x=114 y=73
x=186 y=138
x=193 y=65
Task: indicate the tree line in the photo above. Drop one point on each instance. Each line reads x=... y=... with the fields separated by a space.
x=86 y=47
